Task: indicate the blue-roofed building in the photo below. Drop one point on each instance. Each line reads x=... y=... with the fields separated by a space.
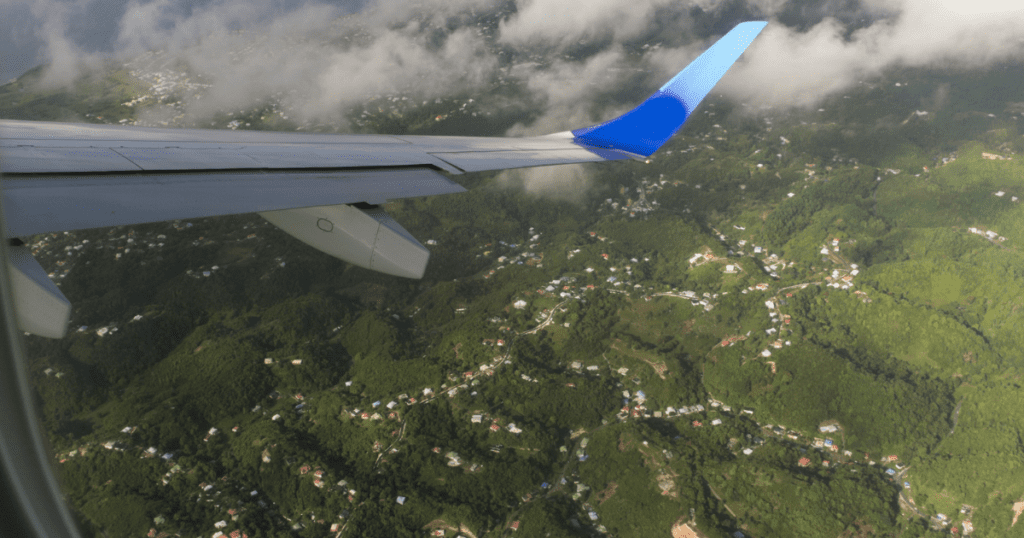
x=545 y=485
x=890 y=471
x=828 y=442
x=584 y=457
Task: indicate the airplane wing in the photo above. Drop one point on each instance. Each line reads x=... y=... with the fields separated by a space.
x=321 y=189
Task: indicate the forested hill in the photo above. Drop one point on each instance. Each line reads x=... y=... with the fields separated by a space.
x=786 y=324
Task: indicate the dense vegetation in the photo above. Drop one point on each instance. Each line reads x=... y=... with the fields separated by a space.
x=241 y=326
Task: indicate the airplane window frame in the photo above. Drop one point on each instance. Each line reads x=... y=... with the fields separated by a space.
x=31 y=503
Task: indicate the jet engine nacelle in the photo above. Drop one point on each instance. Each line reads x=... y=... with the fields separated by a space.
x=367 y=237
x=39 y=307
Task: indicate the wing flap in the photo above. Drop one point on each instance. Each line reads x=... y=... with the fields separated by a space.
x=41 y=205
x=33 y=160
x=128 y=157
x=479 y=161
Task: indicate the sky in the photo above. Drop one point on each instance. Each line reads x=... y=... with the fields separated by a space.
x=569 y=59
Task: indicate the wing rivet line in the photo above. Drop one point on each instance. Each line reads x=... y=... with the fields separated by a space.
x=325 y=225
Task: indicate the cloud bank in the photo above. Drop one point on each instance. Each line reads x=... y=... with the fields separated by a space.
x=578 y=65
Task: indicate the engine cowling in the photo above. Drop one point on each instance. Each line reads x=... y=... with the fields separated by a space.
x=39 y=307
x=363 y=236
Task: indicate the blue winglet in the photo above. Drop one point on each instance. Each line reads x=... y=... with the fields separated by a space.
x=646 y=128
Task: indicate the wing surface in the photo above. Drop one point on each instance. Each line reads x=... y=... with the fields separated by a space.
x=64 y=176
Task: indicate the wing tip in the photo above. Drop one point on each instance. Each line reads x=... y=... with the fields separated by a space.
x=647 y=127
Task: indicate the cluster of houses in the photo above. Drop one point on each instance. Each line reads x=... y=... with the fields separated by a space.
x=479 y=417
x=202 y=272
x=526 y=257
x=389 y=411
x=166 y=88
x=55 y=373
x=208 y=492
x=940 y=521
x=772 y=262
x=641 y=205
x=121 y=245
x=702 y=257
x=699 y=301
x=991 y=235
x=1000 y=194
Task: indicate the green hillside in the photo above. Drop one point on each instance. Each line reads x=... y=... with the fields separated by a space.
x=814 y=284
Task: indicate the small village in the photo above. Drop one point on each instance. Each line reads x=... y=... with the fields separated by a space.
x=564 y=289
x=171 y=94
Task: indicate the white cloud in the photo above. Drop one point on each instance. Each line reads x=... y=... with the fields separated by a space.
x=560 y=22
x=323 y=61
x=785 y=67
x=326 y=61
x=68 y=60
x=569 y=182
x=569 y=90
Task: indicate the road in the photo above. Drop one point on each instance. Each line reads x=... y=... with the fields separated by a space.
x=547 y=321
x=496 y=363
x=956 y=416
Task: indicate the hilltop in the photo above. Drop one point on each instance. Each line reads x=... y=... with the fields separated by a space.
x=738 y=336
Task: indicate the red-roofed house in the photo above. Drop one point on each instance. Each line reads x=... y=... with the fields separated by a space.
x=804 y=462
x=514 y=526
